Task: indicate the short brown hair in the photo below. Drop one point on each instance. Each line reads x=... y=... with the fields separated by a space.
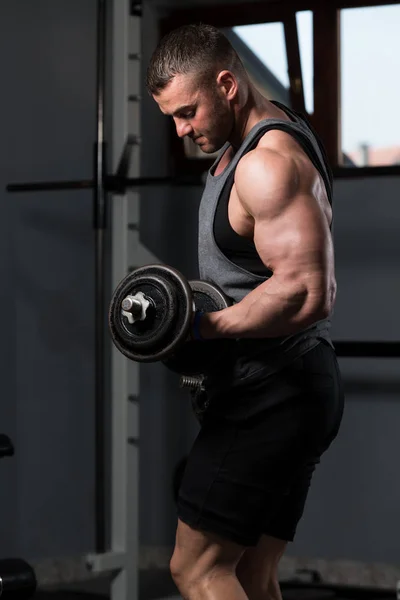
x=198 y=49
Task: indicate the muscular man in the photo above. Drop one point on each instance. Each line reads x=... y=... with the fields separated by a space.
x=276 y=399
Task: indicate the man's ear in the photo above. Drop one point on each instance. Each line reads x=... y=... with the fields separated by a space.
x=228 y=84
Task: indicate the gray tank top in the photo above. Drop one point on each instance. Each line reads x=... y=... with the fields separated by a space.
x=236 y=281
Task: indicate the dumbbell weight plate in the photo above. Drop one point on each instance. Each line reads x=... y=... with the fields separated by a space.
x=17 y=579
x=208 y=297
x=195 y=358
x=168 y=316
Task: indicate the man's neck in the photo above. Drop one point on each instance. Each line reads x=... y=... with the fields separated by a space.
x=255 y=110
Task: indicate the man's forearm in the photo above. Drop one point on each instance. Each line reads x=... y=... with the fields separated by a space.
x=271 y=310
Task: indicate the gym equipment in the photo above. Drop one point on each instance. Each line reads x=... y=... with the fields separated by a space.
x=150 y=316
x=177 y=477
x=17 y=579
x=6 y=446
x=150 y=313
x=198 y=394
x=194 y=358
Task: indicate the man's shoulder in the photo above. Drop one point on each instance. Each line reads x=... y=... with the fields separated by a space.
x=280 y=141
x=266 y=174
x=277 y=155
x=266 y=162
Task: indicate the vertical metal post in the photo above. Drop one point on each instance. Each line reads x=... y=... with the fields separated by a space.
x=99 y=224
x=124 y=381
x=123 y=556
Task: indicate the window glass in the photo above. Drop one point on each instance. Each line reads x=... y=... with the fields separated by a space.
x=370 y=86
x=304 y=21
x=262 y=48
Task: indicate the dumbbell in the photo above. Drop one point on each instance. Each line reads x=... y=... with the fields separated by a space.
x=17 y=579
x=150 y=317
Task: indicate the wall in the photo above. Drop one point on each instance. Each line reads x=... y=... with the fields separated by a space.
x=353 y=505
x=47 y=268
x=46 y=264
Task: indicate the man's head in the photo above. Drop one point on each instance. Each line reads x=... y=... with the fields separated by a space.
x=194 y=76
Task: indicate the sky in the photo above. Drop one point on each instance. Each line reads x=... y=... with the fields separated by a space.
x=370 y=63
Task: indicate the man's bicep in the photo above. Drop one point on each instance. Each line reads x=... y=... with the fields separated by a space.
x=296 y=242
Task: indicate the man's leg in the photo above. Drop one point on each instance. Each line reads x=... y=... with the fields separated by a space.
x=257 y=569
x=203 y=566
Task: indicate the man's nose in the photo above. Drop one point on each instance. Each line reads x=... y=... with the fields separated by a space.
x=183 y=128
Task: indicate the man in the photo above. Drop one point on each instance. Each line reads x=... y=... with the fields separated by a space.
x=276 y=400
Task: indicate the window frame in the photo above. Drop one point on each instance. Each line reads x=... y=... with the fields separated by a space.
x=326 y=118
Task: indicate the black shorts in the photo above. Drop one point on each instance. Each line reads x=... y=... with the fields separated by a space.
x=250 y=468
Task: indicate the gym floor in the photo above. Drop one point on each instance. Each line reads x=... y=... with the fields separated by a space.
x=153 y=585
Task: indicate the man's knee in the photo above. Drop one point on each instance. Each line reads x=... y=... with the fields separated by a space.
x=181 y=568
x=192 y=575
x=254 y=572
x=256 y=582
x=260 y=585
x=175 y=568
x=257 y=570
x=187 y=570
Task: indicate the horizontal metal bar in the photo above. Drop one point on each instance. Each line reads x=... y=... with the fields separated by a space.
x=109 y=561
x=355 y=172
x=112 y=184
x=253 y=12
x=367 y=349
x=156 y=181
x=47 y=186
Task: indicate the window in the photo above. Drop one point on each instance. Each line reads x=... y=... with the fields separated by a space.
x=304 y=21
x=263 y=52
x=370 y=94
x=349 y=62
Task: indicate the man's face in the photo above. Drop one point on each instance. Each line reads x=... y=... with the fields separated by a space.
x=201 y=114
